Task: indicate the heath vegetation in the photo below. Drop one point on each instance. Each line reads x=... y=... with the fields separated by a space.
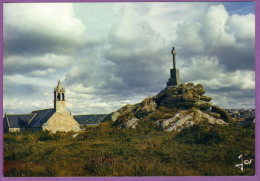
x=106 y=150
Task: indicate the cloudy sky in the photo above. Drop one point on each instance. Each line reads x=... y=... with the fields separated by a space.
x=111 y=54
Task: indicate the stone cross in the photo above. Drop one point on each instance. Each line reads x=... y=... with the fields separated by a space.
x=173 y=58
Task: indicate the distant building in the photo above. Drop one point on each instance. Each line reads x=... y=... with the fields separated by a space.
x=241 y=113
x=56 y=119
x=247 y=121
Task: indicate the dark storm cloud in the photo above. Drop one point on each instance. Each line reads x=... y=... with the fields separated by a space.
x=142 y=57
x=37 y=65
x=29 y=43
x=19 y=90
x=233 y=98
x=236 y=58
x=235 y=91
x=121 y=75
x=138 y=71
x=229 y=57
x=134 y=62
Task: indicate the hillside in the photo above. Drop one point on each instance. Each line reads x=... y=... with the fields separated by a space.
x=108 y=151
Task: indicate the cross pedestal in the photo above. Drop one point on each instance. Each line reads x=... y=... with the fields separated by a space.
x=175 y=78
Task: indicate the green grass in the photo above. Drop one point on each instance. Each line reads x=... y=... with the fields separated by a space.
x=109 y=151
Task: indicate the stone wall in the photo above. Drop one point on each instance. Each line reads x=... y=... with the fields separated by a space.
x=14 y=130
x=61 y=122
x=60 y=106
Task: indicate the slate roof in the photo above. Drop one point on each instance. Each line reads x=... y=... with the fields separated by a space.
x=19 y=120
x=34 y=119
x=41 y=117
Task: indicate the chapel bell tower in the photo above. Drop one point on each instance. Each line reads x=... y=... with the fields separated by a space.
x=59 y=98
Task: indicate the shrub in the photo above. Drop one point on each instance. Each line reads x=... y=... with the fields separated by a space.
x=107 y=151
x=100 y=165
x=45 y=135
x=201 y=134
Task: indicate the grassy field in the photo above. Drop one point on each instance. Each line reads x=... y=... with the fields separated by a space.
x=109 y=151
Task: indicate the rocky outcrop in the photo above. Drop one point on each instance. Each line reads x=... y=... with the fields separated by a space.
x=184 y=96
x=128 y=116
x=144 y=108
x=215 y=115
x=114 y=115
x=187 y=118
x=173 y=109
x=223 y=114
x=130 y=124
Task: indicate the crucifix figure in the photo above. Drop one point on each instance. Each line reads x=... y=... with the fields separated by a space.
x=173 y=57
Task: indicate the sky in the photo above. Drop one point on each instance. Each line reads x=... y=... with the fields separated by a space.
x=108 y=55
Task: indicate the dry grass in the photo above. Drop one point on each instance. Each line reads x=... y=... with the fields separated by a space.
x=108 y=151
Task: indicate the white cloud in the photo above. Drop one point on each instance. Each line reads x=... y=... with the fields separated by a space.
x=43 y=73
x=79 y=88
x=189 y=37
x=56 y=20
x=215 y=26
x=19 y=106
x=133 y=35
x=243 y=26
x=208 y=71
x=166 y=17
x=217 y=34
x=21 y=79
x=10 y=103
x=242 y=79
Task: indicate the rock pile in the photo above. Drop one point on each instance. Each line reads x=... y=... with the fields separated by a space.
x=184 y=96
x=173 y=109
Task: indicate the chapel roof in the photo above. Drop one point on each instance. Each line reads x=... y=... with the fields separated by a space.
x=19 y=120
x=41 y=117
x=31 y=120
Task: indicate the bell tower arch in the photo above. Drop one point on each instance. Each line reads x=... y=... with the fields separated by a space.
x=59 y=98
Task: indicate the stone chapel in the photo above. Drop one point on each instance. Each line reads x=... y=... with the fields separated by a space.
x=56 y=119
